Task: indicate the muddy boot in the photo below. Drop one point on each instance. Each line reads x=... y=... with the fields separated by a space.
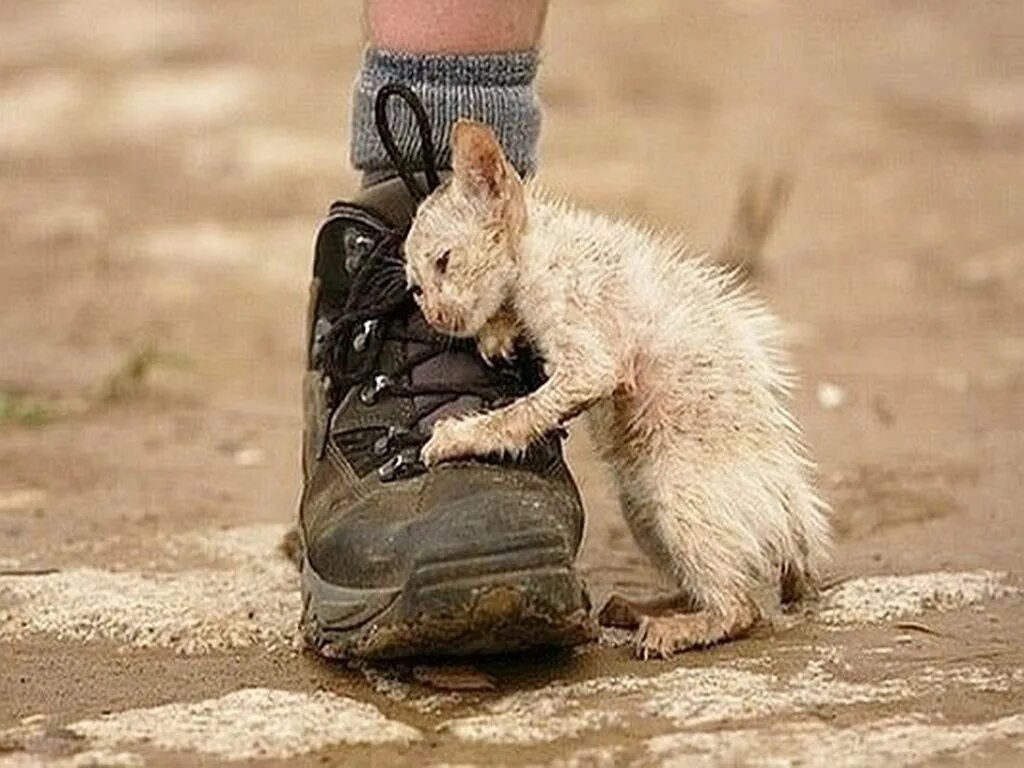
x=469 y=557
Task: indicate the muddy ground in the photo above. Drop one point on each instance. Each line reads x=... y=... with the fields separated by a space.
x=164 y=166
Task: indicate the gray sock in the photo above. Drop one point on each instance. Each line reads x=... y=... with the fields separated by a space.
x=494 y=88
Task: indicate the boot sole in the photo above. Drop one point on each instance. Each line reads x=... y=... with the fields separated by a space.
x=494 y=603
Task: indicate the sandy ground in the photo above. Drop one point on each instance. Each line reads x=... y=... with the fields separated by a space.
x=164 y=167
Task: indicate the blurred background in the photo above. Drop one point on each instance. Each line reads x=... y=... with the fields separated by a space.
x=165 y=163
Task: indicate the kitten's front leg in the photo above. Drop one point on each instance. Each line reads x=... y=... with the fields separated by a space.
x=511 y=429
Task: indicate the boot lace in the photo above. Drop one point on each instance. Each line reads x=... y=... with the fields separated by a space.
x=378 y=308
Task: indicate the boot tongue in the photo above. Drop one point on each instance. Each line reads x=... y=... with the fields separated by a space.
x=455 y=369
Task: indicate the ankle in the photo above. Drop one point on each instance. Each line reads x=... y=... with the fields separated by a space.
x=494 y=88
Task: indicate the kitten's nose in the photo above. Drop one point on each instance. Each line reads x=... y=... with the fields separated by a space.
x=443 y=320
x=434 y=316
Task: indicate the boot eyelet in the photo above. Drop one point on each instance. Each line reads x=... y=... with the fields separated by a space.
x=357 y=245
x=362 y=339
x=370 y=393
x=399 y=466
x=395 y=467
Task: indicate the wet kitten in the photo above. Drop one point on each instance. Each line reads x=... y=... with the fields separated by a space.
x=678 y=370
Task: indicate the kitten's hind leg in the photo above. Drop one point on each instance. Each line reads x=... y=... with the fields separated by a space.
x=698 y=528
x=625 y=613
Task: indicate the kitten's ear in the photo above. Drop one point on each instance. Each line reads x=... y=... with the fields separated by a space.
x=479 y=164
x=484 y=173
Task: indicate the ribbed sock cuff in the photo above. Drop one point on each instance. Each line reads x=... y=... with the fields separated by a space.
x=493 y=88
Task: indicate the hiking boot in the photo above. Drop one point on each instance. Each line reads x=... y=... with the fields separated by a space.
x=473 y=556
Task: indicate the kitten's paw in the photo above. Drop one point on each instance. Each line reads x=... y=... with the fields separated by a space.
x=451 y=439
x=659 y=637
x=497 y=339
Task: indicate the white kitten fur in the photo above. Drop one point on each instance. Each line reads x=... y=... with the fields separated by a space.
x=680 y=371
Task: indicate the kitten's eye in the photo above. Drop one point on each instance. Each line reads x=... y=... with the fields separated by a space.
x=416 y=291
x=442 y=262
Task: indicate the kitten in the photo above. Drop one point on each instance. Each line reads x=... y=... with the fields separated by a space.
x=679 y=372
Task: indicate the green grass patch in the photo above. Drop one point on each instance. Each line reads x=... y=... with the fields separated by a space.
x=29 y=409
x=130 y=378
